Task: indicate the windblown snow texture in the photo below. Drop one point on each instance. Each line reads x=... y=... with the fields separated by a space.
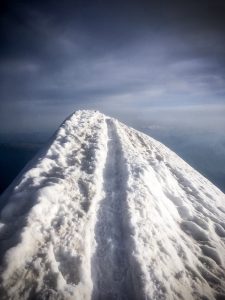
x=107 y=212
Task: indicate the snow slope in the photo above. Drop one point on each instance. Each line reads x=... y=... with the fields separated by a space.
x=107 y=212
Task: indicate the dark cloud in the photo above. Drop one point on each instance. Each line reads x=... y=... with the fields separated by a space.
x=116 y=56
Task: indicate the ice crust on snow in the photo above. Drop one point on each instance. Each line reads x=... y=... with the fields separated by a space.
x=107 y=212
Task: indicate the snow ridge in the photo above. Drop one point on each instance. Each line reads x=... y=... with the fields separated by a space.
x=107 y=212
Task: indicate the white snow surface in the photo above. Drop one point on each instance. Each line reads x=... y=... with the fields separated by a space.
x=106 y=212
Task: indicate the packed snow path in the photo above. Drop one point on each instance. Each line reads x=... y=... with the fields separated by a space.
x=106 y=212
x=111 y=271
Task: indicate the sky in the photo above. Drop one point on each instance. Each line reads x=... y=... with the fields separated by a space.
x=158 y=66
x=146 y=60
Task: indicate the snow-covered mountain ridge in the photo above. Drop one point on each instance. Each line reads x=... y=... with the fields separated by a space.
x=107 y=212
